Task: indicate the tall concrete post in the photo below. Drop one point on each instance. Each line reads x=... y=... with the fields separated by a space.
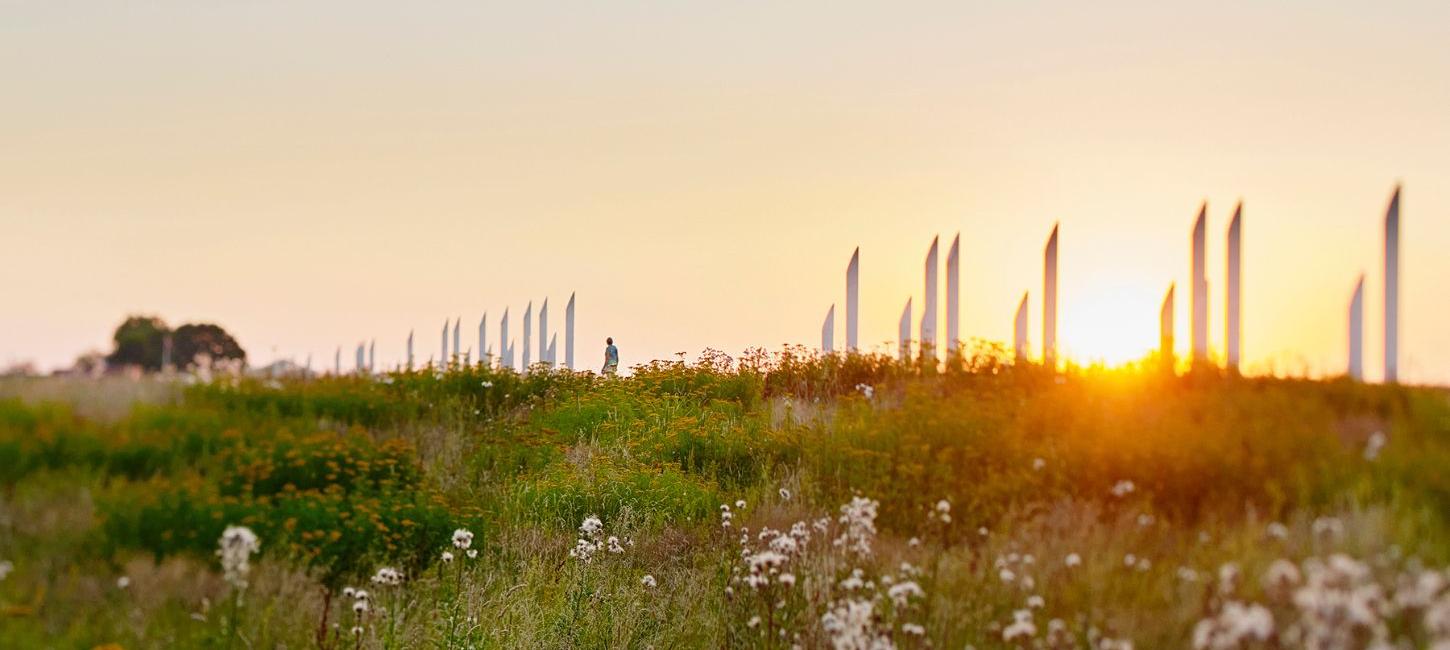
x=1232 y=313
x=828 y=331
x=569 y=333
x=1019 y=331
x=483 y=356
x=337 y=362
x=1049 y=302
x=1165 y=330
x=410 y=350
x=1356 y=331
x=553 y=348
x=1199 y=278
x=853 y=299
x=528 y=333
x=903 y=332
x=544 y=333
x=1392 y=289
x=928 y=312
x=443 y=359
x=457 y=342
x=505 y=350
x=360 y=363
x=372 y=355
x=954 y=314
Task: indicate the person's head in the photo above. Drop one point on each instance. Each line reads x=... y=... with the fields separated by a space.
x=609 y=340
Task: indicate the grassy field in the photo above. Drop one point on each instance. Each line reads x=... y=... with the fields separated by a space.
x=770 y=501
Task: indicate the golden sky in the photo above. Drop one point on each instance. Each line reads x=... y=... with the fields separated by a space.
x=314 y=174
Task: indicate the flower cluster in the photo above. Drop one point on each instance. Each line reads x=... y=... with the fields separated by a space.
x=858 y=526
x=361 y=605
x=1123 y=488
x=387 y=577
x=235 y=548
x=592 y=540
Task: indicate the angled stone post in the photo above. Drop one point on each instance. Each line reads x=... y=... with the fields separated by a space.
x=443 y=358
x=1198 y=277
x=1356 y=331
x=903 y=334
x=828 y=331
x=928 y=311
x=569 y=333
x=372 y=355
x=1019 y=331
x=337 y=362
x=544 y=333
x=1165 y=331
x=410 y=350
x=553 y=348
x=1392 y=289
x=853 y=300
x=1232 y=313
x=505 y=351
x=1049 y=301
x=457 y=342
x=528 y=334
x=954 y=313
x=361 y=364
x=483 y=356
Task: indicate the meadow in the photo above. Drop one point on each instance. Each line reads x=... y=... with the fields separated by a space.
x=771 y=501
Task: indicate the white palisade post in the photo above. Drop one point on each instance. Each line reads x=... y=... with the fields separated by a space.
x=1019 y=330
x=544 y=333
x=1165 y=330
x=1233 y=313
x=828 y=331
x=360 y=363
x=954 y=314
x=443 y=358
x=1199 y=278
x=505 y=351
x=528 y=334
x=928 y=310
x=337 y=362
x=457 y=341
x=1049 y=301
x=903 y=333
x=553 y=348
x=853 y=300
x=410 y=350
x=1356 y=331
x=372 y=355
x=483 y=340
x=569 y=333
x=1392 y=289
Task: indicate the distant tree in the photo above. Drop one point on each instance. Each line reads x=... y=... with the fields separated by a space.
x=89 y=364
x=195 y=339
x=139 y=341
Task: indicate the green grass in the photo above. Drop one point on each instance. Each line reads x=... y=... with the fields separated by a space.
x=339 y=476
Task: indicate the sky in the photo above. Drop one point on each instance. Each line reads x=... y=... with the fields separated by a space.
x=312 y=175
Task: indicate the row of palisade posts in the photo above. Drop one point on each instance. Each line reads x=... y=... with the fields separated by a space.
x=452 y=352
x=1233 y=313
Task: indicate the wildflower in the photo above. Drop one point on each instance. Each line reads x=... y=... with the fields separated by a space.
x=982 y=531
x=740 y=504
x=913 y=542
x=486 y=384
x=852 y=624
x=1022 y=626
x=1328 y=528
x=447 y=557
x=1130 y=560
x=1187 y=574
x=592 y=526
x=6 y=568
x=648 y=581
x=913 y=629
x=123 y=582
x=1228 y=578
x=236 y=547
x=859 y=519
x=387 y=576
x=1035 y=602
x=1277 y=530
x=1038 y=464
x=462 y=538
x=357 y=630
x=1145 y=520
x=348 y=592
x=1376 y=442
x=902 y=592
x=1236 y=625
x=472 y=553
x=1123 y=488
x=1073 y=559
x=753 y=623
x=867 y=390
x=1281 y=577
x=359 y=607
x=784 y=494
x=1006 y=575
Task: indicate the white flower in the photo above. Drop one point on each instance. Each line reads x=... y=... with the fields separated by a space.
x=236 y=547
x=901 y=592
x=1376 y=442
x=787 y=579
x=1145 y=520
x=913 y=542
x=1035 y=602
x=6 y=567
x=1187 y=574
x=753 y=623
x=982 y=531
x=447 y=556
x=357 y=630
x=1021 y=627
x=387 y=576
x=592 y=526
x=740 y=504
x=859 y=519
x=1072 y=560
x=462 y=538
x=348 y=592
x=123 y=582
x=1006 y=575
x=1123 y=488
x=359 y=607
x=472 y=553
x=1277 y=530
x=913 y=629
x=1281 y=577
x=1130 y=560
x=943 y=506
x=648 y=581
x=1038 y=464
x=1328 y=527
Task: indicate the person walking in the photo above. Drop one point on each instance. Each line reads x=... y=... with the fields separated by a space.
x=611 y=358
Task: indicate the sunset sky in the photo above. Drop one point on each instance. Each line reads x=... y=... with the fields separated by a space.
x=314 y=174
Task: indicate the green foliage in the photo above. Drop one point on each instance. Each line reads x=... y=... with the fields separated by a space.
x=138 y=342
